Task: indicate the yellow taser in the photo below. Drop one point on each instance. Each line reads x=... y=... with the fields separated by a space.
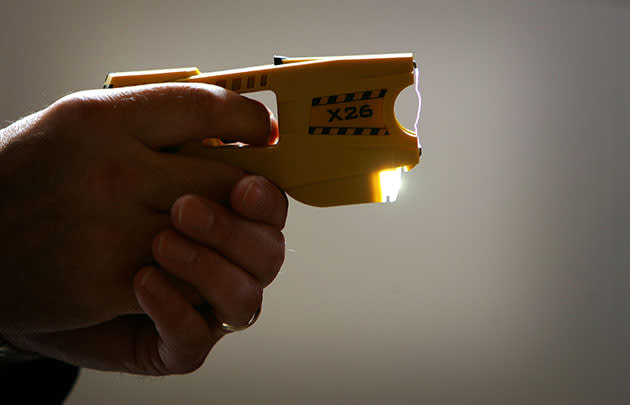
x=340 y=142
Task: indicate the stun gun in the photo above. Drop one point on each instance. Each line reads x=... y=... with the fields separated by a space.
x=340 y=142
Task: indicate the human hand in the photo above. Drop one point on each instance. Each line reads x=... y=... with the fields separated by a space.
x=229 y=259
x=85 y=190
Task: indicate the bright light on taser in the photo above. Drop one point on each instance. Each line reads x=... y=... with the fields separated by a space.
x=390 y=181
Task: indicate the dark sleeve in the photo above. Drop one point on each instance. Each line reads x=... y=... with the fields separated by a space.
x=41 y=381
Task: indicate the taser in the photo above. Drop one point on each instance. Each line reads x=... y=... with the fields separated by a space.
x=340 y=142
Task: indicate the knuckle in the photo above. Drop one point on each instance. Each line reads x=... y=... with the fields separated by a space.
x=77 y=107
x=206 y=98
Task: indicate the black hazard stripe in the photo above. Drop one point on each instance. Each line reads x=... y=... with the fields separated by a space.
x=347 y=131
x=348 y=97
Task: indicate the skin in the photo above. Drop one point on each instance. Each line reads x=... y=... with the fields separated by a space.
x=116 y=256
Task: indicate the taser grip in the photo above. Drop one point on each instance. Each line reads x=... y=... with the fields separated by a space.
x=336 y=119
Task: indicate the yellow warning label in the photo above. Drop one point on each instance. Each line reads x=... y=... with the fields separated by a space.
x=350 y=110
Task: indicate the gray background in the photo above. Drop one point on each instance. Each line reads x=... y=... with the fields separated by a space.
x=500 y=275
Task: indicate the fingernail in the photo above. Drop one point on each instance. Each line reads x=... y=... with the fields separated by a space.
x=145 y=277
x=254 y=196
x=194 y=216
x=150 y=288
x=274 y=130
x=175 y=248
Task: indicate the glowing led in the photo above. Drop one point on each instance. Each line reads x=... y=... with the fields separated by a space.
x=390 y=181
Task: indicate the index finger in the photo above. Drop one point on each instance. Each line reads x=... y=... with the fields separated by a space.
x=170 y=114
